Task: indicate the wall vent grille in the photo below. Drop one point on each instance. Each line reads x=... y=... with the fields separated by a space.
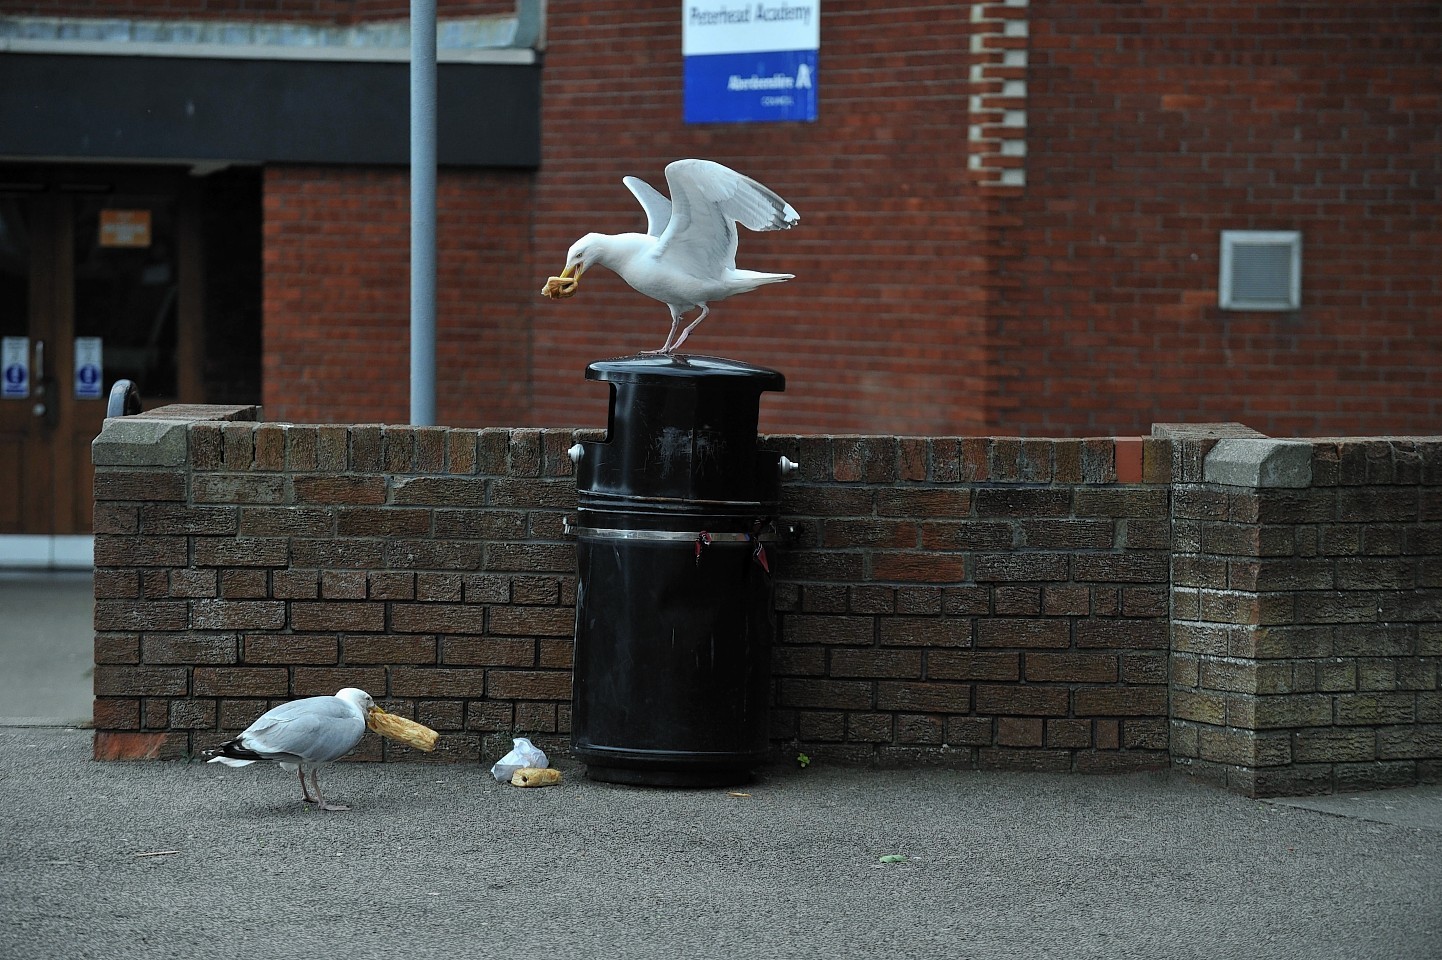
x=1261 y=270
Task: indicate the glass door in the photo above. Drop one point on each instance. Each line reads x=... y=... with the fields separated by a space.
x=96 y=285
x=27 y=421
x=127 y=294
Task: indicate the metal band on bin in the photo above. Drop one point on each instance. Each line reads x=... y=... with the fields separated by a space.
x=673 y=536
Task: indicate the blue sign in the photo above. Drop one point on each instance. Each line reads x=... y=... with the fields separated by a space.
x=89 y=353
x=750 y=62
x=15 y=367
x=750 y=87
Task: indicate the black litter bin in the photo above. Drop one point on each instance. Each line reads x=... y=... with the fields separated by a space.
x=674 y=602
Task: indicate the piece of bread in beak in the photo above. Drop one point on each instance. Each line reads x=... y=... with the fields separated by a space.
x=559 y=288
x=398 y=728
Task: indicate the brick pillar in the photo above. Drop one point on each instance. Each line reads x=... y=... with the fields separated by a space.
x=142 y=483
x=1306 y=592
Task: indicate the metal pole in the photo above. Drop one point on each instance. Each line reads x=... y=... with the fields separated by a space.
x=423 y=212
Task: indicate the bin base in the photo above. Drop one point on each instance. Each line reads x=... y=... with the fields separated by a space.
x=669 y=778
x=666 y=768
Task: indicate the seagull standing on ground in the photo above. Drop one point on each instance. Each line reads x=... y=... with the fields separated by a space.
x=303 y=735
x=687 y=256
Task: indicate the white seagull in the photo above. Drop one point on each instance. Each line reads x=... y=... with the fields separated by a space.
x=687 y=256
x=303 y=735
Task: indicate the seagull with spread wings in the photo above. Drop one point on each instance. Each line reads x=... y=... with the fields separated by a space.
x=687 y=256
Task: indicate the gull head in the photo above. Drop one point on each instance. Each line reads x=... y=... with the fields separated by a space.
x=359 y=699
x=584 y=253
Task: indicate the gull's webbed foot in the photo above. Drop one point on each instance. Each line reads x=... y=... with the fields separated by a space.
x=320 y=803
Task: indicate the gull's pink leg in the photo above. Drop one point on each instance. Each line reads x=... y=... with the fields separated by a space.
x=320 y=800
x=305 y=791
x=692 y=326
x=666 y=347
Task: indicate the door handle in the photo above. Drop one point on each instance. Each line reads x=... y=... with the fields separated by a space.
x=45 y=407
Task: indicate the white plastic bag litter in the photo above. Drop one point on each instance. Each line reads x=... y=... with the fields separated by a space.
x=523 y=754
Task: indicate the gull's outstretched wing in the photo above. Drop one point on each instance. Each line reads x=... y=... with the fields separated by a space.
x=657 y=207
x=707 y=201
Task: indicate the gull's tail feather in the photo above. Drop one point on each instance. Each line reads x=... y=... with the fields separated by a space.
x=746 y=280
x=232 y=754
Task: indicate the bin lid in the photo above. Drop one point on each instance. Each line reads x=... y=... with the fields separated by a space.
x=684 y=370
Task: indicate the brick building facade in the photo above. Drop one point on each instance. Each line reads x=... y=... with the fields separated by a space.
x=934 y=294
x=1011 y=211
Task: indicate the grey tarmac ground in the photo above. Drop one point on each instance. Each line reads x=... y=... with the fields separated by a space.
x=163 y=860
x=174 y=860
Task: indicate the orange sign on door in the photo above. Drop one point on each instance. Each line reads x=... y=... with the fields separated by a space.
x=125 y=228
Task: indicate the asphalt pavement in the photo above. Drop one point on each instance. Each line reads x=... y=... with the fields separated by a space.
x=165 y=860
x=47 y=647
x=159 y=860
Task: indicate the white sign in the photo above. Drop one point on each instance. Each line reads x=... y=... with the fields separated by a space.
x=750 y=61
x=717 y=26
x=88 y=354
x=15 y=368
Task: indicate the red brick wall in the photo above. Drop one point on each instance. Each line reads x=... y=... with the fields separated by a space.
x=1084 y=302
x=968 y=603
x=1306 y=626
x=926 y=303
x=881 y=329
x=1152 y=127
x=983 y=602
x=337 y=295
x=986 y=603
x=278 y=561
